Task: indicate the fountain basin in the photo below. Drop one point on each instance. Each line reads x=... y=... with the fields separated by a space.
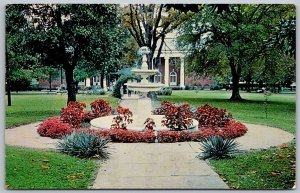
x=105 y=123
x=146 y=87
x=144 y=72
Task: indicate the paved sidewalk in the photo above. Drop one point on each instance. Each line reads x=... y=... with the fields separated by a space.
x=156 y=166
x=27 y=136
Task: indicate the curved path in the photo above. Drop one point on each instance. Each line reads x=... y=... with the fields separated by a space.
x=156 y=165
x=257 y=137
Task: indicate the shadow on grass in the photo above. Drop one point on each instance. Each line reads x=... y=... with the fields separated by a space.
x=222 y=101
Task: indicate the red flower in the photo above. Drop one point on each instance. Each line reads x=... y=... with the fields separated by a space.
x=150 y=124
x=123 y=117
x=100 y=108
x=178 y=117
x=163 y=108
x=126 y=136
x=54 y=128
x=208 y=116
x=72 y=116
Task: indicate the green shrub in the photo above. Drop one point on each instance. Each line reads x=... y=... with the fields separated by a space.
x=165 y=91
x=187 y=87
x=83 y=144
x=215 y=147
x=120 y=82
x=216 y=87
x=96 y=92
x=177 y=88
x=99 y=92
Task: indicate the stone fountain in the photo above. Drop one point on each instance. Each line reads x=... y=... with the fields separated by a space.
x=144 y=105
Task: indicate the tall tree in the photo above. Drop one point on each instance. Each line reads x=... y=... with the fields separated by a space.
x=233 y=37
x=68 y=34
x=19 y=58
x=149 y=24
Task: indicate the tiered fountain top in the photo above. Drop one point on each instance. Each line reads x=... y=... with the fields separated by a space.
x=144 y=86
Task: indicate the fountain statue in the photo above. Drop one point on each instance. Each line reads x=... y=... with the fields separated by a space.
x=144 y=105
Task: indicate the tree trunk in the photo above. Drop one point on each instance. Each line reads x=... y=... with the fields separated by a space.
x=8 y=92
x=76 y=86
x=101 y=80
x=235 y=83
x=61 y=75
x=71 y=87
x=248 y=86
x=8 y=86
x=50 y=80
x=235 y=89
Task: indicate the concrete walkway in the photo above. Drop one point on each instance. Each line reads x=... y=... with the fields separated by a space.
x=155 y=166
x=27 y=136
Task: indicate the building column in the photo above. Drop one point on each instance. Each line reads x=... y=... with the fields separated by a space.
x=88 y=82
x=182 y=72
x=104 y=84
x=167 y=73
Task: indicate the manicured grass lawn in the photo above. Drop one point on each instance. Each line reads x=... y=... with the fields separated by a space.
x=30 y=107
x=39 y=169
x=270 y=169
x=281 y=108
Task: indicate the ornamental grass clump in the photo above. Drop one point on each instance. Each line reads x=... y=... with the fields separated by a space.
x=215 y=147
x=84 y=144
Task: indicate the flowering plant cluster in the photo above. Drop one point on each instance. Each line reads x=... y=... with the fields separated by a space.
x=149 y=124
x=123 y=118
x=165 y=105
x=232 y=130
x=178 y=117
x=73 y=114
x=77 y=105
x=54 y=128
x=173 y=136
x=212 y=122
x=100 y=108
x=208 y=116
x=124 y=136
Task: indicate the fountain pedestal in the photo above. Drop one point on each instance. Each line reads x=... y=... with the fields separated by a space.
x=144 y=108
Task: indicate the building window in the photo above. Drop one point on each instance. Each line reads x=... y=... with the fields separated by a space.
x=173 y=78
x=157 y=77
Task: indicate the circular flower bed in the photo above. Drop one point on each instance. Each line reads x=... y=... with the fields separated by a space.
x=212 y=122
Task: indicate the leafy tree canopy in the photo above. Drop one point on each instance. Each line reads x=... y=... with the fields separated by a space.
x=71 y=36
